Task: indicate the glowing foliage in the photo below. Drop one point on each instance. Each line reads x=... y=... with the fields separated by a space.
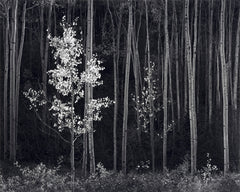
x=146 y=95
x=69 y=82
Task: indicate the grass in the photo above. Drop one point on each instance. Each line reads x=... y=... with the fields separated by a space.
x=41 y=178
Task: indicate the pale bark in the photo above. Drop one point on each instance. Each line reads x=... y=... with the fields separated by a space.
x=236 y=65
x=229 y=50
x=12 y=106
x=185 y=66
x=126 y=88
x=224 y=77
x=173 y=59
x=85 y=154
x=117 y=85
x=89 y=93
x=115 y=71
x=218 y=95
x=19 y=62
x=191 y=63
x=44 y=47
x=210 y=64
x=151 y=113
x=177 y=67
x=235 y=84
x=72 y=160
x=165 y=85
x=170 y=68
x=159 y=51
x=72 y=155
x=194 y=116
x=137 y=74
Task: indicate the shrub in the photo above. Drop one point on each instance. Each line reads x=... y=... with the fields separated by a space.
x=227 y=184
x=39 y=178
x=208 y=171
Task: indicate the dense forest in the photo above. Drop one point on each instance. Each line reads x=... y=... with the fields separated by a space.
x=167 y=70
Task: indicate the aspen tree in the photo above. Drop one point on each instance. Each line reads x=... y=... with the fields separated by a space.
x=137 y=74
x=235 y=83
x=44 y=47
x=115 y=44
x=69 y=83
x=165 y=85
x=89 y=89
x=236 y=63
x=19 y=62
x=191 y=68
x=12 y=104
x=117 y=78
x=126 y=88
x=151 y=115
x=6 y=84
x=115 y=91
x=210 y=61
x=224 y=77
x=177 y=66
x=229 y=31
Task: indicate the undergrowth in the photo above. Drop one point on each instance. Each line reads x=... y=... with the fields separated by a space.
x=40 y=178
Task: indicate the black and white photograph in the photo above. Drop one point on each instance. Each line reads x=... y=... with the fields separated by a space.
x=119 y=95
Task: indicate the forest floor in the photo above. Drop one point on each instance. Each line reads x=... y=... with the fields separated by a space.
x=36 y=178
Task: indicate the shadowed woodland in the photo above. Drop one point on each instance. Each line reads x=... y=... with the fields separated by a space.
x=171 y=71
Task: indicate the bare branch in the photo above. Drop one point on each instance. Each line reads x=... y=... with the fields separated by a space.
x=55 y=131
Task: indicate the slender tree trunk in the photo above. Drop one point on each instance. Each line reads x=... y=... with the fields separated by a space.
x=218 y=95
x=194 y=84
x=137 y=71
x=19 y=61
x=224 y=76
x=44 y=47
x=85 y=135
x=42 y=53
x=191 y=62
x=229 y=45
x=235 y=83
x=151 y=115
x=85 y=154
x=229 y=49
x=236 y=65
x=115 y=68
x=72 y=155
x=184 y=71
x=13 y=38
x=189 y=68
x=126 y=87
x=159 y=51
x=165 y=85
x=172 y=59
x=184 y=62
x=170 y=68
x=177 y=66
x=159 y=59
x=5 y=97
x=89 y=87
x=72 y=159
x=210 y=64
x=117 y=78
x=198 y=61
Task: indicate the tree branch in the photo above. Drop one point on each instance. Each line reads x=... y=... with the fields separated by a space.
x=55 y=131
